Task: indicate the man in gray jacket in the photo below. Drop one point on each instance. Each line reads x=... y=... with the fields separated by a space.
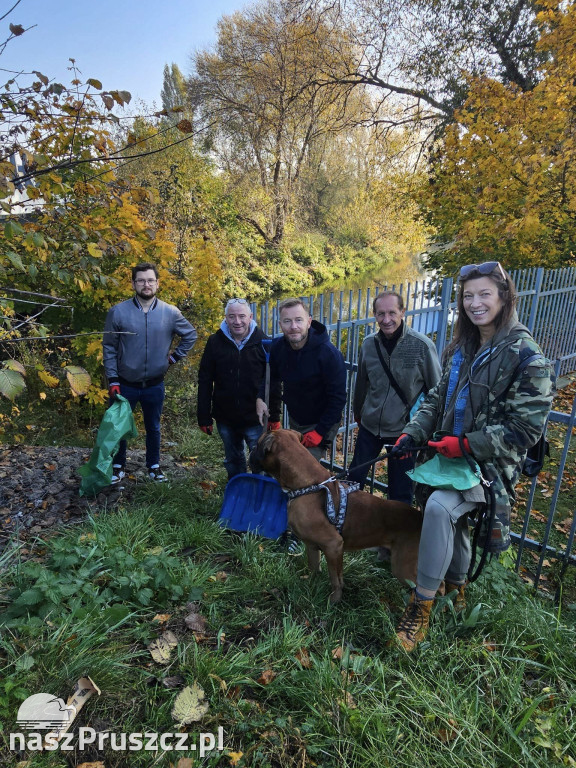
x=137 y=338
x=395 y=366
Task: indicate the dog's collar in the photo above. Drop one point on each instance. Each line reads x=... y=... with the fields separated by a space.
x=337 y=518
x=303 y=491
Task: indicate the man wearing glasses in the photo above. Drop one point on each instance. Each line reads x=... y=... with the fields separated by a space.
x=232 y=366
x=138 y=335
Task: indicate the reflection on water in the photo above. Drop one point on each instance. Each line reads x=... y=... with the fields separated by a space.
x=392 y=275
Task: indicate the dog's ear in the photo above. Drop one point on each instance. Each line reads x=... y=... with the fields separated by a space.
x=267 y=442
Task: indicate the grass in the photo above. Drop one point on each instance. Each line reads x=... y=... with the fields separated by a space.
x=292 y=680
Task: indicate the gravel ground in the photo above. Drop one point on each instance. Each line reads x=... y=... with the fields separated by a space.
x=39 y=488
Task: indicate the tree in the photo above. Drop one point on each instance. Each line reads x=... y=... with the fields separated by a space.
x=173 y=93
x=79 y=225
x=185 y=199
x=258 y=95
x=418 y=54
x=503 y=184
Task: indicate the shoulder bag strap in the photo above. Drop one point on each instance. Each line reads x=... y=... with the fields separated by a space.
x=388 y=373
x=524 y=363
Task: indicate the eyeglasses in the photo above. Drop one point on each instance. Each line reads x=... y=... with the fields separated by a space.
x=483 y=269
x=145 y=282
x=236 y=301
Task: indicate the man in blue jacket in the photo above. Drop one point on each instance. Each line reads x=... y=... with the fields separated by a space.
x=232 y=366
x=138 y=335
x=313 y=375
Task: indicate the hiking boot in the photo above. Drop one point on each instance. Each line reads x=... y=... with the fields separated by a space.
x=293 y=545
x=459 y=600
x=118 y=474
x=413 y=625
x=156 y=474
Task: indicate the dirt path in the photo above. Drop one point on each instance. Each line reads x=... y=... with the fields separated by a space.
x=39 y=488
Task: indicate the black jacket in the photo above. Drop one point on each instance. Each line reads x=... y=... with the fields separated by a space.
x=229 y=380
x=314 y=379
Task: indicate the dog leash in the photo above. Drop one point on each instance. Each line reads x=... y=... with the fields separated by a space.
x=343 y=475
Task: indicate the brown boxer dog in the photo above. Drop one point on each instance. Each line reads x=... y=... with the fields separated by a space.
x=370 y=521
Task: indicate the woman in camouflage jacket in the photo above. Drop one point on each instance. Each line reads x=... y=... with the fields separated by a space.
x=481 y=404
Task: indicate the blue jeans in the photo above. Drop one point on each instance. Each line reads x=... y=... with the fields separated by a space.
x=151 y=400
x=235 y=439
x=368 y=446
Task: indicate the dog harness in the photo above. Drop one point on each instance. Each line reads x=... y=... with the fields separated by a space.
x=337 y=518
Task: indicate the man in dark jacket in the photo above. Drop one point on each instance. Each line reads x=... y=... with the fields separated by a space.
x=138 y=335
x=313 y=375
x=231 y=369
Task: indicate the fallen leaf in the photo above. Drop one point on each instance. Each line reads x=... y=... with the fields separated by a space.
x=266 y=677
x=449 y=733
x=161 y=648
x=189 y=705
x=489 y=646
x=97 y=764
x=175 y=681
x=162 y=618
x=349 y=701
x=196 y=622
x=304 y=658
x=184 y=762
x=337 y=653
x=220 y=576
x=235 y=757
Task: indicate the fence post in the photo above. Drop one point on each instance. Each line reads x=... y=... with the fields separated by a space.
x=531 y=322
x=447 y=284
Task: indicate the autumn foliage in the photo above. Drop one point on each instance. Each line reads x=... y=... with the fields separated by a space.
x=503 y=183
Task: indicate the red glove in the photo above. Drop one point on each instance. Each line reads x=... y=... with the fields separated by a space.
x=113 y=390
x=402 y=446
x=206 y=430
x=311 y=439
x=273 y=426
x=449 y=446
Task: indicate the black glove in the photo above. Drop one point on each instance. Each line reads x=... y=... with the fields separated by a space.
x=402 y=447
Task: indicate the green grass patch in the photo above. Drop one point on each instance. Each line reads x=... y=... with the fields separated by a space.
x=292 y=680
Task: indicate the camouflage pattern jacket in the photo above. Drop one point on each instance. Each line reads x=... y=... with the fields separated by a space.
x=500 y=432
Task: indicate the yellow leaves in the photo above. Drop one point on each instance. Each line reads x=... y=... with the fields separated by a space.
x=189 y=705
x=161 y=648
x=47 y=379
x=94 y=251
x=78 y=378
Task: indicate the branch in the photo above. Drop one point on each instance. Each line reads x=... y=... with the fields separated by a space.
x=10 y=11
x=63 y=336
x=32 y=293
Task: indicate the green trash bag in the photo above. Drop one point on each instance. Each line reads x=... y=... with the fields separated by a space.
x=117 y=424
x=441 y=472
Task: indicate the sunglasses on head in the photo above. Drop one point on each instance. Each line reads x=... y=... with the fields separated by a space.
x=236 y=301
x=487 y=268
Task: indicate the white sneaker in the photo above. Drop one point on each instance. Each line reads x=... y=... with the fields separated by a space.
x=156 y=474
x=118 y=474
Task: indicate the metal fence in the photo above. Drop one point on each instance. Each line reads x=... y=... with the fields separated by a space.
x=546 y=305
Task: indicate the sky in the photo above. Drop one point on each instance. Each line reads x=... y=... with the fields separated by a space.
x=123 y=43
